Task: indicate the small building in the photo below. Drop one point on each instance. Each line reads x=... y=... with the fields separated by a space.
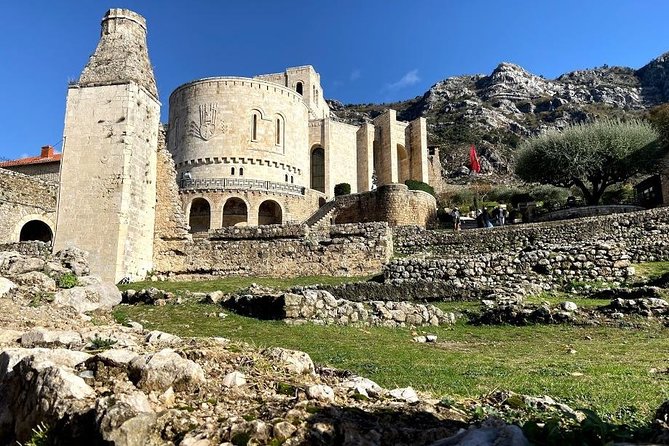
x=46 y=166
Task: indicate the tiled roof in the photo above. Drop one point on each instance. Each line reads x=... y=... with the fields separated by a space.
x=31 y=160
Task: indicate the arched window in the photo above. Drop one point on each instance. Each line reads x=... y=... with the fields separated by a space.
x=199 y=217
x=286 y=178
x=298 y=87
x=35 y=230
x=318 y=169
x=278 y=131
x=235 y=213
x=254 y=128
x=291 y=179
x=269 y=213
x=241 y=171
x=232 y=171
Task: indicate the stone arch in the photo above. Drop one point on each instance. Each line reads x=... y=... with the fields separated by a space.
x=270 y=213
x=18 y=233
x=235 y=212
x=36 y=230
x=403 y=164
x=257 y=115
x=199 y=215
x=317 y=163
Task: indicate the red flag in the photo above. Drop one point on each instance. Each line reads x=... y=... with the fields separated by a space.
x=474 y=159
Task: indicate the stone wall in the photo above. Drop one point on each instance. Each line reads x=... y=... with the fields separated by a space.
x=643 y=235
x=279 y=251
x=540 y=267
x=393 y=203
x=320 y=307
x=32 y=249
x=24 y=199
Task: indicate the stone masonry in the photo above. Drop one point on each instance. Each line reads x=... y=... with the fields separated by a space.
x=108 y=177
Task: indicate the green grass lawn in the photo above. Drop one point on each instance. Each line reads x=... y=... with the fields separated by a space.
x=609 y=371
x=612 y=370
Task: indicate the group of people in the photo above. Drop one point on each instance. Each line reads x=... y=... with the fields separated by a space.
x=484 y=219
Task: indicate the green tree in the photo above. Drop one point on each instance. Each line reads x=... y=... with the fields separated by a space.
x=591 y=156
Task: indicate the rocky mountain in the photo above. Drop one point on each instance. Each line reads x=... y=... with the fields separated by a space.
x=496 y=112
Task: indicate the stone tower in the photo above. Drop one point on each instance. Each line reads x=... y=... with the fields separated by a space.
x=107 y=197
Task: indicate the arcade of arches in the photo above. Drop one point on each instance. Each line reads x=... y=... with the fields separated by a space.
x=215 y=210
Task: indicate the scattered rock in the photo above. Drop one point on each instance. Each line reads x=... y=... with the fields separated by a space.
x=293 y=360
x=103 y=296
x=405 y=394
x=234 y=379
x=159 y=371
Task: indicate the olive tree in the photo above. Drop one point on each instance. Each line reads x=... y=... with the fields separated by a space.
x=590 y=156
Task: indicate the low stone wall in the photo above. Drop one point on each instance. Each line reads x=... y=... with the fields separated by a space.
x=644 y=236
x=32 y=249
x=545 y=267
x=276 y=251
x=433 y=290
x=320 y=307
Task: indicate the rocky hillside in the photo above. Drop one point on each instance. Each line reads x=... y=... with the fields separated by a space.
x=498 y=110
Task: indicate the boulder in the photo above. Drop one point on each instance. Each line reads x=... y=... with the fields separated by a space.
x=489 y=434
x=39 y=392
x=41 y=337
x=36 y=279
x=74 y=259
x=58 y=356
x=159 y=371
x=102 y=296
x=6 y=286
x=363 y=386
x=126 y=417
x=23 y=264
x=293 y=360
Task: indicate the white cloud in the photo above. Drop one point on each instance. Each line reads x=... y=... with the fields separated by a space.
x=355 y=75
x=407 y=80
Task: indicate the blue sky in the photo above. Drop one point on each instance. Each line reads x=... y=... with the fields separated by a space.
x=365 y=50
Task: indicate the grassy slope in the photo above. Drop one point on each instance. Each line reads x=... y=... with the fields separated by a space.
x=467 y=361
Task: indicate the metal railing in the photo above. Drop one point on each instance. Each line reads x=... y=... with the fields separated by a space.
x=241 y=183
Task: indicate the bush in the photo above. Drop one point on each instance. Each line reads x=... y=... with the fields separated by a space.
x=342 y=189
x=67 y=280
x=419 y=185
x=552 y=197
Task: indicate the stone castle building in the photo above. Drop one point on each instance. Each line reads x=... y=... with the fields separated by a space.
x=242 y=152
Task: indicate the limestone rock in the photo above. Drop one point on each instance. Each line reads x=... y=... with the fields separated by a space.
x=161 y=338
x=39 y=392
x=321 y=392
x=505 y=435
x=126 y=417
x=295 y=361
x=6 y=286
x=569 y=306
x=405 y=394
x=59 y=356
x=159 y=371
x=74 y=259
x=234 y=379
x=363 y=386
x=37 y=280
x=23 y=264
x=41 y=337
x=102 y=296
x=283 y=430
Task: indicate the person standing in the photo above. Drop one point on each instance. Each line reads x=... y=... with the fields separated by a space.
x=485 y=218
x=456 y=219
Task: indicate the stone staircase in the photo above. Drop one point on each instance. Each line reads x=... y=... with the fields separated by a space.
x=323 y=215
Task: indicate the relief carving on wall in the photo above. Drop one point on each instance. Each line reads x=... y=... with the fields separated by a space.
x=209 y=125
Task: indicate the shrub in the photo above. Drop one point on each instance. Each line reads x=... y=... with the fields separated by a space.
x=551 y=196
x=342 y=189
x=419 y=185
x=67 y=280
